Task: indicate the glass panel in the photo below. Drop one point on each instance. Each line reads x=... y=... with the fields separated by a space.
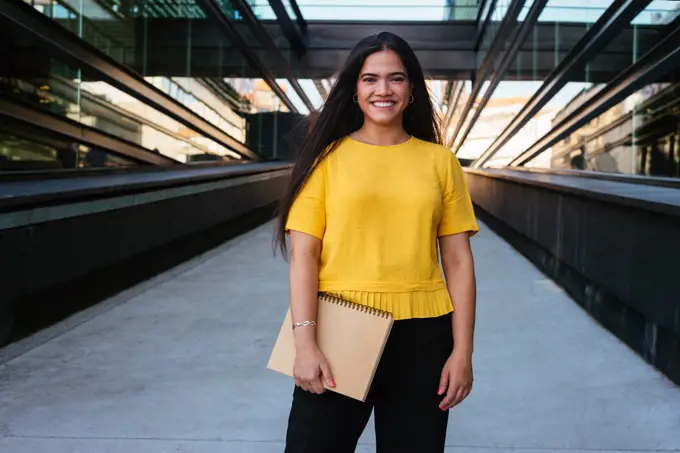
x=180 y=59
x=545 y=48
x=371 y=10
x=177 y=59
x=263 y=10
x=31 y=75
x=26 y=148
x=308 y=88
x=574 y=11
x=637 y=136
x=290 y=10
x=658 y=12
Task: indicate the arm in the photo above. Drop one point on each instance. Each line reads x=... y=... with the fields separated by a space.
x=305 y=250
x=459 y=271
x=458 y=266
x=310 y=364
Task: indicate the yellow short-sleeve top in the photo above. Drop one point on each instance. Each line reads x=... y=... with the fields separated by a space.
x=379 y=211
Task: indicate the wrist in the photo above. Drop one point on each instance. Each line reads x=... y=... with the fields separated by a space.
x=304 y=337
x=461 y=353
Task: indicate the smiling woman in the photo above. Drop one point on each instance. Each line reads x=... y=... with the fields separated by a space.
x=374 y=197
x=383 y=90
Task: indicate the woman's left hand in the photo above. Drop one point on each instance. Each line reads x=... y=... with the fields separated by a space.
x=456 y=380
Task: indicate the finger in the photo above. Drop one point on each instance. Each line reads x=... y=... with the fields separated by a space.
x=316 y=386
x=448 y=400
x=468 y=390
x=327 y=374
x=458 y=397
x=463 y=393
x=443 y=382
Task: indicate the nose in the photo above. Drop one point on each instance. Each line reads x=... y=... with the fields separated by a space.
x=383 y=88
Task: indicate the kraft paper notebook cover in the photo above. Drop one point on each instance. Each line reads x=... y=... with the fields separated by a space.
x=352 y=338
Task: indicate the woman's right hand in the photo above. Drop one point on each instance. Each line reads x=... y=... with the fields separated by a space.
x=311 y=369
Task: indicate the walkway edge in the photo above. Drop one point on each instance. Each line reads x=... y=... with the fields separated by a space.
x=17 y=349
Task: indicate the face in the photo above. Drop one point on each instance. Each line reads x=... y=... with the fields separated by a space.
x=383 y=88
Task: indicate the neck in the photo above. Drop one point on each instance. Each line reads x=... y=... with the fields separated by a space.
x=380 y=135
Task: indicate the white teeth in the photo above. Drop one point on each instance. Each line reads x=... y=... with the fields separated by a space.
x=383 y=104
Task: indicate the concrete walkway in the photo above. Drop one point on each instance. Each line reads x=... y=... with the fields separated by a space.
x=178 y=365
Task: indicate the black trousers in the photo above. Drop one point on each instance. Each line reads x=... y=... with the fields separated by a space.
x=403 y=396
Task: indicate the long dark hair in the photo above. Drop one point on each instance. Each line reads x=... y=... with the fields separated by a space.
x=341 y=116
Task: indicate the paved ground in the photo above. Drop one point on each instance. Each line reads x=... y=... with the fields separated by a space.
x=178 y=365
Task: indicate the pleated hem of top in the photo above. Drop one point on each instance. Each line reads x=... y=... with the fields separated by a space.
x=403 y=305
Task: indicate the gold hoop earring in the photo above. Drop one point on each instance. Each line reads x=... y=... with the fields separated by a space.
x=354 y=98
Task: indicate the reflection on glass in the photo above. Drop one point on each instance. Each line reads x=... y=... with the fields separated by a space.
x=637 y=136
x=102 y=106
x=26 y=148
x=123 y=30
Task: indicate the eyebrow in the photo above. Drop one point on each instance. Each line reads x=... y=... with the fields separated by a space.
x=391 y=74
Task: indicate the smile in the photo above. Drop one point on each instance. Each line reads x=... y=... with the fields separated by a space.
x=383 y=104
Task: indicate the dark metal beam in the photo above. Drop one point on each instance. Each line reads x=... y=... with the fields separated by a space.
x=84 y=55
x=261 y=34
x=290 y=32
x=482 y=31
x=302 y=23
x=321 y=89
x=480 y=12
x=662 y=59
x=518 y=39
x=452 y=104
x=508 y=25
x=610 y=24
x=212 y=9
x=81 y=133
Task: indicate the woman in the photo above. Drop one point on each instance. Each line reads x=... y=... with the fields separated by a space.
x=372 y=195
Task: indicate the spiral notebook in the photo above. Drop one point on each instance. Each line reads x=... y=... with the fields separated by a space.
x=352 y=337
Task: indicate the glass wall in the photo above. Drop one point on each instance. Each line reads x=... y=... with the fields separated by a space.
x=545 y=47
x=26 y=148
x=637 y=136
x=164 y=42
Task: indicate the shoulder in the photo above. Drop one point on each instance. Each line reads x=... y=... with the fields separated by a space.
x=436 y=149
x=442 y=156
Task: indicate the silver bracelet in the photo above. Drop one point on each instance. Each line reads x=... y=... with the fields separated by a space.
x=304 y=324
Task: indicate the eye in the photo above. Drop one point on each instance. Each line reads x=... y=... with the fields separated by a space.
x=369 y=79
x=398 y=79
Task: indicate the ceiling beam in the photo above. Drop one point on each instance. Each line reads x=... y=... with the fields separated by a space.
x=517 y=41
x=262 y=35
x=302 y=23
x=321 y=89
x=82 y=54
x=212 y=9
x=507 y=26
x=659 y=61
x=292 y=34
x=603 y=31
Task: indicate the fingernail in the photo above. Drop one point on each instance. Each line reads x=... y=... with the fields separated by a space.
x=331 y=383
x=440 y=391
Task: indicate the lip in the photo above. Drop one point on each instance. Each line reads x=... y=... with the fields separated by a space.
x=392 y=104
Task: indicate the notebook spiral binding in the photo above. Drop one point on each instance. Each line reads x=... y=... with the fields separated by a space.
x=335 y=299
